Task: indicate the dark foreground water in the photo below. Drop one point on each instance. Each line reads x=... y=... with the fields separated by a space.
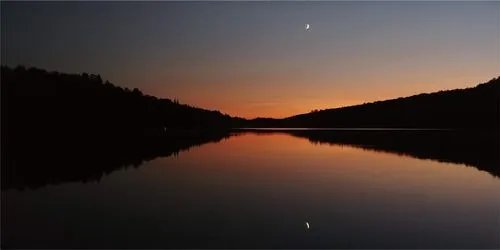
x=258 y=190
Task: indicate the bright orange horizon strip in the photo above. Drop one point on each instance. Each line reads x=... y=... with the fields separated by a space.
x=250 y=103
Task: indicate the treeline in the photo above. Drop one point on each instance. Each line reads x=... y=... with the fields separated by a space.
x=35 y=101
x=470 y=108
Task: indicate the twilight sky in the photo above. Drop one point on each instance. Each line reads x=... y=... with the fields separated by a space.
x=254 y=59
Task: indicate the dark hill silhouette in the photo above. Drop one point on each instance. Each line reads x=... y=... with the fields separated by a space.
x=35 y=101
x=470 y=108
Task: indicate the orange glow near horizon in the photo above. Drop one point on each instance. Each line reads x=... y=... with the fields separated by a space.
x=250 y=102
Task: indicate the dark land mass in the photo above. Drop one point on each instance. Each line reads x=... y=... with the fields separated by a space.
x=60 y=127
x=471 y=108
x=37 y=100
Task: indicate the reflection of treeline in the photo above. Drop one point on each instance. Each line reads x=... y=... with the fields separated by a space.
x=39 y=163
x=480 y=149
x=42 y=163
x=471 y=108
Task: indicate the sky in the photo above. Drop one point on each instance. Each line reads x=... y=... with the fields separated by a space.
x=256 y=59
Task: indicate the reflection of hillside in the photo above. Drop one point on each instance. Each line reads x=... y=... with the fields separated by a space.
x=37 y=165
x=40 y=163
x=480 y=150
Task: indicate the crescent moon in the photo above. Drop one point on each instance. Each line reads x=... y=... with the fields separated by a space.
x=307 y=26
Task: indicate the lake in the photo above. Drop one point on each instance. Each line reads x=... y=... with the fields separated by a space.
x=258 y=190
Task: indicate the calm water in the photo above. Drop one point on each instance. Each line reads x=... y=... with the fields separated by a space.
x=258 y=191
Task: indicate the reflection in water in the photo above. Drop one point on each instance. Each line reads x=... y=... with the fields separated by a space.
x=54 y=164
x=263 y=191
x=36 y=168
x=478 y=149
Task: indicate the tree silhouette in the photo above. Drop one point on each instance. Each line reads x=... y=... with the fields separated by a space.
x=470 y=108
x=64 y=103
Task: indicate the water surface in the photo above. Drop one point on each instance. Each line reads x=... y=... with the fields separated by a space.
x=257 y=190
